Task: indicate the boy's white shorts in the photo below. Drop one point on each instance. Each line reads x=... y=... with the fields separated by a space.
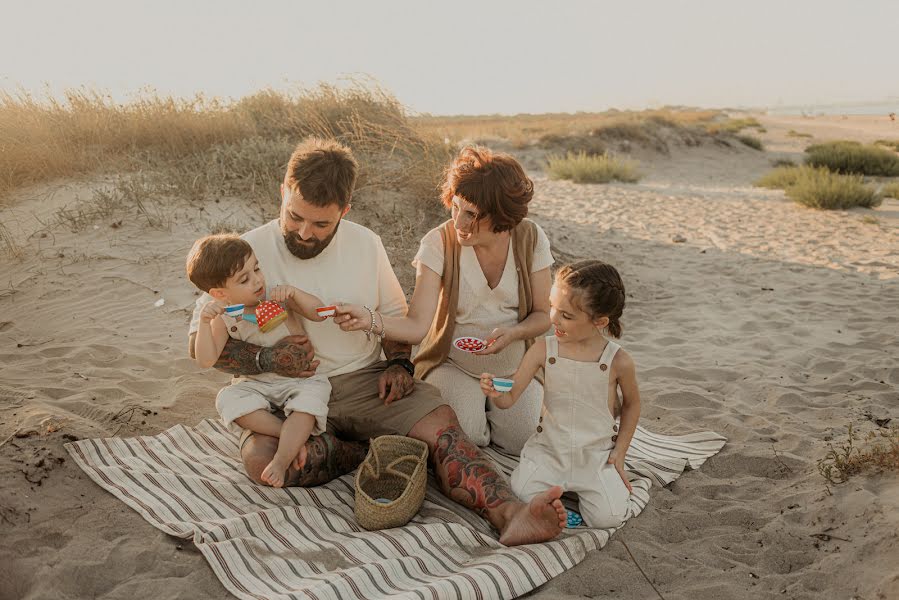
x=309 y=395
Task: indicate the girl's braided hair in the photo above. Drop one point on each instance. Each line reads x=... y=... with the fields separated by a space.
x=600 y=289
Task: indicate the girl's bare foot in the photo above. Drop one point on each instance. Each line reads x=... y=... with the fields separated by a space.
x=274 y=473
x=539 y=520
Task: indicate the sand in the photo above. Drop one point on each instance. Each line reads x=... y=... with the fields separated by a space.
x=772 y=324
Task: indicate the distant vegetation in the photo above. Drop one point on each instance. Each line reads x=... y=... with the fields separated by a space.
x=586 y=168
x=894 y=144
x=817 y=187
x=595 y=133
x=751 y=141
x=891 y=190
x=854 y=158
x=797 y=134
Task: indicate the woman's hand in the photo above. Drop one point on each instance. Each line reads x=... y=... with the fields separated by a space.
x=616 y=457
x=498 y=339
x=352 y=317
x=487 y=386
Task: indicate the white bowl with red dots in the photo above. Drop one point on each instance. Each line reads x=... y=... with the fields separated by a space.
x=469 y=344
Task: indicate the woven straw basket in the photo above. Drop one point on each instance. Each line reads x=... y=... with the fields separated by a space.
x=394 y=472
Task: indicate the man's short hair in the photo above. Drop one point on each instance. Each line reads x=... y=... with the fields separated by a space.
x=215 y=258
x=323 y=172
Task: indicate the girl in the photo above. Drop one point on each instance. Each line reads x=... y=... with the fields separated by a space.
x=578 y=444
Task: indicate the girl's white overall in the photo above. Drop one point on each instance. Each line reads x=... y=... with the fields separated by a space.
x=574 y=438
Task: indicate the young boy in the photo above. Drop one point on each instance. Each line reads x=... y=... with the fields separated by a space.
x=226 y=267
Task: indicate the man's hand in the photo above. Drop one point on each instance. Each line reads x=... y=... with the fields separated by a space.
x=395 y=383
x=291 y=357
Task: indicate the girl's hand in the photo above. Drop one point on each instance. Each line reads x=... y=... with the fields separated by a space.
x=282 y=293
x=487 y=386
x=352 y=317
x=211 y=311
x=616 y=457
x=498 y=339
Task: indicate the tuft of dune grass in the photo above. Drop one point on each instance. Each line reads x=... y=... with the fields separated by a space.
x=584 y=168
x=206 y=147
x=817 y=187
x=891 y=190
x=751 y=141
x=854 y=158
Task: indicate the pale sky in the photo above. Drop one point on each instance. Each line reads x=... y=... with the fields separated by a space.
x=466 y=57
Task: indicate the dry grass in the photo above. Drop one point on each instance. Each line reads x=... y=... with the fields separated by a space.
x=734 y=126
x=528 y=127
x=854 y=158
x=891 y=190
x=877 y=453
x=817 y=187
x=894 y=144
x=583 y=168
x=751 y=141
x=199 y=148
x=798 y=134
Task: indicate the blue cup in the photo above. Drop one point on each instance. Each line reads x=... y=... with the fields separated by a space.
x=502 y=385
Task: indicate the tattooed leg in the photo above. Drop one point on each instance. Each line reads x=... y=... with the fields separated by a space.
x=327 y=458
x=468 y=477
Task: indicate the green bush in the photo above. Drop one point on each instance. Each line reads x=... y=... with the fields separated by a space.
x=584 y=168
x=894 y=144
x=780 y=178
x=820 y=188
x=852 y=157
x=891 y=190
x=751 y=141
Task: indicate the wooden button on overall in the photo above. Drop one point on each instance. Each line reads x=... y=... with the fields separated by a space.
x=603 y=367
x=234 y=328
x=552 y=360
x=539 y=429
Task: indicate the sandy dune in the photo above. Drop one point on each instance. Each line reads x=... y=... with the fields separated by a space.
x=772 y=324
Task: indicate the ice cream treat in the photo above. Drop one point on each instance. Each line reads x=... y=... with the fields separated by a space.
x=502 y=385
x=326 y=311
x=269 y=315
x=234 y=311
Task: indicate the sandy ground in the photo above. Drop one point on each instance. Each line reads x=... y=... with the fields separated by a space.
x=772 y=324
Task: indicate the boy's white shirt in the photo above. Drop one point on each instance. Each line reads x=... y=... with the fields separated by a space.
x=354 y=268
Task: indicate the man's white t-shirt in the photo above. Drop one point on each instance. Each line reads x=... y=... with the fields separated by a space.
x=354 y=268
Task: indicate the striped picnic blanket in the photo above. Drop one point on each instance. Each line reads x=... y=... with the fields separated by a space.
x=304 y=543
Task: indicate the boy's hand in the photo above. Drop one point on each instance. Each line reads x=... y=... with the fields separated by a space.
x=211 y=311
x=487 y=386
x=282 y=293
x=352 y=317
x=616 y=457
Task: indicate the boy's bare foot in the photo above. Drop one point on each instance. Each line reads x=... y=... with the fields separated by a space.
x=539 y=520
x=274 y=473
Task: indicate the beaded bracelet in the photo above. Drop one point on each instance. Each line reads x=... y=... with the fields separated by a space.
x=371 y=327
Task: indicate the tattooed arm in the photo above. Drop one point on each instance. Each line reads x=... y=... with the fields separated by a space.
x=293 y=356
x=395 y=382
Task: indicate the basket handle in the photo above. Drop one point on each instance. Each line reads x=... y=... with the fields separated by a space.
x=390 y=468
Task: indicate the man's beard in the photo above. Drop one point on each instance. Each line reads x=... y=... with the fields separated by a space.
x=305 y=250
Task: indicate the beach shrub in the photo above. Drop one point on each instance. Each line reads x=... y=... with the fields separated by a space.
x=751 y=141
x=584 y=168
x=820 y=188
x=783 y=162
x=854 y=158
x=734 y=126
x=817 y=187
x=780 y=178
x=891 y=190
x=797 y=134
x=877 y=452
x=894 y=144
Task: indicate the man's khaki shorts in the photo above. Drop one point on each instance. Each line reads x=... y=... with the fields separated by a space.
x=356 y=413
